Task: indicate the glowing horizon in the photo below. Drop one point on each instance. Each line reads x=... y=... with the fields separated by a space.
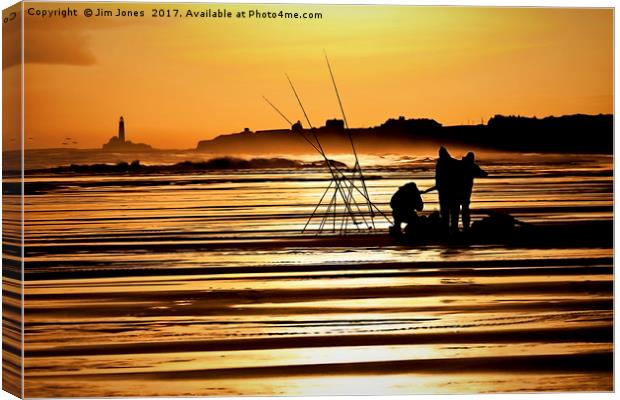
x=178 y=81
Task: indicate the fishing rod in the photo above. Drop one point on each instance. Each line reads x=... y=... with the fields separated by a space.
x=299 y=100
x=290 y=123
x=278 y=111
x=346 y=125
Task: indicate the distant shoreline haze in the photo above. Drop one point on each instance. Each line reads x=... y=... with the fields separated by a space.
x=579 y=133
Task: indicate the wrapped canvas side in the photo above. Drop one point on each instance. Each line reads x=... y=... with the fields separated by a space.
x=12 y=202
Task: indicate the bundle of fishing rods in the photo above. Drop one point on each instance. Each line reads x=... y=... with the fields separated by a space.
x=345 y=185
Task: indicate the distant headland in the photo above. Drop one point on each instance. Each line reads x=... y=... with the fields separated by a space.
x=577 y=133
x=118 y=143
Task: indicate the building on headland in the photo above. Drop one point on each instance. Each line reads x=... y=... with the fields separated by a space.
x=119 y=143
x=121 y=130
x=335 y=124
x=294 y=139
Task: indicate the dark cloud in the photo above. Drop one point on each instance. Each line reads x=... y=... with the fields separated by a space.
x=63 y=48
x=58 y=47
x=61 y=41
x=58 y=40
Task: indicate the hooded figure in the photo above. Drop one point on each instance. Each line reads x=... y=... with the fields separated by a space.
x=405 y=202
x=448 y=184
x=468 y=171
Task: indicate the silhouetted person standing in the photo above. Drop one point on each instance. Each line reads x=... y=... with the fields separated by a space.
x=447 y=185
x=468 y=170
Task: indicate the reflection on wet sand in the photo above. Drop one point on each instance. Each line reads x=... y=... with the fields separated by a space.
x=202 y=285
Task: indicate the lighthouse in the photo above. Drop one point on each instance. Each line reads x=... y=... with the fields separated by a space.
x=118 y=143
x=121 y=130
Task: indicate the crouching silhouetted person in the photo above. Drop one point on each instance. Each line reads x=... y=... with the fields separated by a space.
x=405 y=202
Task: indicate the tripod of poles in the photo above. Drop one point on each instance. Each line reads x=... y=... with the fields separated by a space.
x=345 y=205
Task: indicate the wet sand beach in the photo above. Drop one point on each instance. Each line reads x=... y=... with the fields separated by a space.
x=202 y=284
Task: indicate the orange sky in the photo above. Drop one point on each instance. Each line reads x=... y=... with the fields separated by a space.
x=178 y=80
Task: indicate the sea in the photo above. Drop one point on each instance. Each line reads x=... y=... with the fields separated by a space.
x=205 y=282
